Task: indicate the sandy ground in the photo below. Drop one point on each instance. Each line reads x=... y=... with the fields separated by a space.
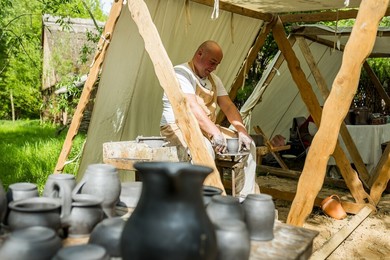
x=370 y=240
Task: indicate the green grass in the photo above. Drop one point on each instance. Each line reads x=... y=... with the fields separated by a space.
x=29 y=151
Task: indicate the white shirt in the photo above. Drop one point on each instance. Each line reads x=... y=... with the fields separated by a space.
x=187 y=81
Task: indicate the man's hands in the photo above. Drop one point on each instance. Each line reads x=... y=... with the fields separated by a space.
x=219 y=143
x=244 y=141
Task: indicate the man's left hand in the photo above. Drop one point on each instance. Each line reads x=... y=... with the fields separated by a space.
x=244 y=141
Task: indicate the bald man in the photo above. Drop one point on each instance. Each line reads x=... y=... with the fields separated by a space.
x=204 y=91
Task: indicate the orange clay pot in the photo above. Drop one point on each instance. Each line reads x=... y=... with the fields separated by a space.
x=332 y=207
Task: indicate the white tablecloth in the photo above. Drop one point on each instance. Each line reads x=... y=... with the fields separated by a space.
x=368 y=140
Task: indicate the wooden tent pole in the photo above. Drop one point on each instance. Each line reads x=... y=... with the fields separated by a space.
x=377 y=84
x=349 y=143
x=381 y=176
x=359 y=46
x=309 y=98
x=90 y=82
x=166 y=75
x=245 y=67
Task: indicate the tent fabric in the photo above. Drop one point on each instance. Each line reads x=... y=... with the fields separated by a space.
x=285 y=6
x=281 y=101
x=128 y=102
x=273 y=106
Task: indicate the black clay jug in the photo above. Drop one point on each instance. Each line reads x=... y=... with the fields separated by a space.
x=169 y=221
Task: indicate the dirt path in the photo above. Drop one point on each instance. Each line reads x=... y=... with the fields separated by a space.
x=370 y=240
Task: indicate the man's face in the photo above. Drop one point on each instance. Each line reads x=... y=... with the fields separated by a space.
x=208 y=62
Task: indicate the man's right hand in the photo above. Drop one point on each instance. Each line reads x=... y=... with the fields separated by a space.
x=219 y=143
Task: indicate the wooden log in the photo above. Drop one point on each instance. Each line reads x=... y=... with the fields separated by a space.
x=90 y=82
x=267 y=17
x=359 y=46
x=166 y=75
x=321 y=16
x=341 y=235
x=309 y=98
x=381 y=176
x=349 y=143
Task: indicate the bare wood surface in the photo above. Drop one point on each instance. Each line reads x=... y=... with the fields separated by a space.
x=245 y=67
x=267 y=17
x=310 y=99
x=359 y=46
x=381 y=176
x=341 y=235
x=166 y=75
x=321 y=16
x=272 y=149
x=90 y=82
x=296 y=174
x=321 y=83
x=377 y=84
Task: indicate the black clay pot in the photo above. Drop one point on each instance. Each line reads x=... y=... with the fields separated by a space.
x=170 y=221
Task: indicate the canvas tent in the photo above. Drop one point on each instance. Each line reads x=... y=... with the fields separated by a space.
x=276 y=91
x=128 y=101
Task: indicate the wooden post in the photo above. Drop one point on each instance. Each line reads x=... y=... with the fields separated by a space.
x=381 y=176
x=359 y=46
x=88 y=86
x=349 y=143
x=166 y=75
x=310 y=99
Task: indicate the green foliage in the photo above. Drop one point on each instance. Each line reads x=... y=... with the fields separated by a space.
x=30 y=150
x=21 y=49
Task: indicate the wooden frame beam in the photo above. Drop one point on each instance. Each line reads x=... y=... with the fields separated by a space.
x=326 y=16
x=266 y=17
x=321 y=83
x=164 y=70
x=359 y=45
x=88 y=86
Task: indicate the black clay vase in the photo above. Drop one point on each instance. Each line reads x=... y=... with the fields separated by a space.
x=170 y=221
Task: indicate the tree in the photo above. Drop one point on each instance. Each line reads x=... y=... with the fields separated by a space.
x=21 y=49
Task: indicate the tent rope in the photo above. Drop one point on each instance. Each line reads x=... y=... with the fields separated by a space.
x=215 y=13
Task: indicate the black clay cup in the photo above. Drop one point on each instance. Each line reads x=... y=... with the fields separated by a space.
x=33 y=243
x=260 y=216
x=225 y=207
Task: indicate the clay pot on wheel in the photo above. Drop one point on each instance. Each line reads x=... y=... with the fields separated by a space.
x=331 y=206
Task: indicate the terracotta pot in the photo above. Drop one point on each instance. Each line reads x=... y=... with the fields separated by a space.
x=331 y=206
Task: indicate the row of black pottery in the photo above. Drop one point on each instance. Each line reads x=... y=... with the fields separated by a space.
x=175 y=216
